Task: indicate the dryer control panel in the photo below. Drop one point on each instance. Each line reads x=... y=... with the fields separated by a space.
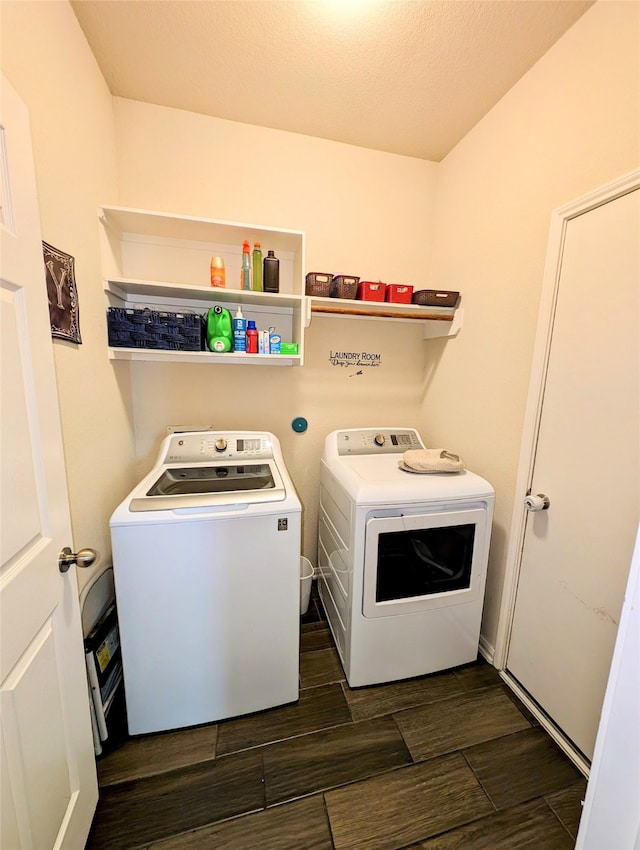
x=368 y=441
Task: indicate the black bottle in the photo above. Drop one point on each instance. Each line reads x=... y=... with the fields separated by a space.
x=271 y=276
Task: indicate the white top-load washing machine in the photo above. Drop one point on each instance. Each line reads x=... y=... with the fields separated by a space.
x=206 y=558
x=402 y=557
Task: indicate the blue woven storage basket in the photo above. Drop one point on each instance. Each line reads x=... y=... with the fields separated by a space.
x=131 y=328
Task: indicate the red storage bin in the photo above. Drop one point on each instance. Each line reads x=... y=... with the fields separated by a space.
x=370 y=291
x=399 y=294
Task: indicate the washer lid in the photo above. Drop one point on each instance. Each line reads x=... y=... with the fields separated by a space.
x=190 y=486
x=218 y=470
x=224 y=478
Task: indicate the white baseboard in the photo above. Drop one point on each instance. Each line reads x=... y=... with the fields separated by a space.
x=487 y=650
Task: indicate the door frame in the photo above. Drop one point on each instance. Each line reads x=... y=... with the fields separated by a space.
x=533 y=412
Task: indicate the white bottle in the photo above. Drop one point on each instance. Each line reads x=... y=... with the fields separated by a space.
x=239 y=331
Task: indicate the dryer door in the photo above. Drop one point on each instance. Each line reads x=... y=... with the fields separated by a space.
x=417 y=562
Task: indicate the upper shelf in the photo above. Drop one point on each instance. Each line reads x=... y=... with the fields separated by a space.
x=194 y=229
x=143 y=245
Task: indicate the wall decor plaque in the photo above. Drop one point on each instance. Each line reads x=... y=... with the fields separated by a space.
x=62 y=294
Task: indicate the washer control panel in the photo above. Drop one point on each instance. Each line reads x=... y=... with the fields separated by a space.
x=217 y=445
x=368 y=441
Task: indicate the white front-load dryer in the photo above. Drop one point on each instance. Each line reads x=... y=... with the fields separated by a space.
x=402 y=557
x=206 y=559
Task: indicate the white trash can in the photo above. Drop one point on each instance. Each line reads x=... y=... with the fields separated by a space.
x=306 y=579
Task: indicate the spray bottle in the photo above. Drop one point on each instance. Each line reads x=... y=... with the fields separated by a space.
x=256 y=259
x=239 y=331
x=245 y=270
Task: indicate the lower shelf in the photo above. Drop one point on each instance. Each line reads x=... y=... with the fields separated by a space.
x=205 y=357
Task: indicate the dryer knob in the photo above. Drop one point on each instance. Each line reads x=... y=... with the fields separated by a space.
x=379 y=439
x=221 y=445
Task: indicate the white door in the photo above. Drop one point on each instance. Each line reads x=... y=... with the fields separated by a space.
x=49 y=786
x=576 y=554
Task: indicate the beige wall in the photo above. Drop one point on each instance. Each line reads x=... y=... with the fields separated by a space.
x=363 y=212
x=47 y=60
x=569 y=126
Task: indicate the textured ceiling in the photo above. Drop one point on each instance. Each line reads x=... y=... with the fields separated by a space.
x=403 y=76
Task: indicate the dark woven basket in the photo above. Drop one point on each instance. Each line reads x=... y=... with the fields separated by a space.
x=435 y=298
x=130 y=328
x=344 y=286
x=318 y=284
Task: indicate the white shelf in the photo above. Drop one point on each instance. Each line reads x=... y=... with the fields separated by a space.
x=204 y=357
x=161 y=261
x=167 y=226
x=163 y=292
x=438 y=321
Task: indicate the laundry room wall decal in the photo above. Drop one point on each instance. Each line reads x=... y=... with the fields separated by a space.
x=357 y=359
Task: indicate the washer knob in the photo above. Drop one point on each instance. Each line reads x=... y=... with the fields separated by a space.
x=221 y=445
x=379 y=439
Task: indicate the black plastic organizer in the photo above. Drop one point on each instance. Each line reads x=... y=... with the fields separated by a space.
x=131 y=328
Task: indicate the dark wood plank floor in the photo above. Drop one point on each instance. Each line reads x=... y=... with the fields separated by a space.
x=446 y=761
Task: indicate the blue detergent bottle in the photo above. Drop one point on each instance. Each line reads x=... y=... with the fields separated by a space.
x=239 y=331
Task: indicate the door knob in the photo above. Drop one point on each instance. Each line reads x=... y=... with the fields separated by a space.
x=83 y=558
x=537 y=503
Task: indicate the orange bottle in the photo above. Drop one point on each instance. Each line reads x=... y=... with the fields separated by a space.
x=217 y=272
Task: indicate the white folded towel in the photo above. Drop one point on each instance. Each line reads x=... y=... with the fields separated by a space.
x=430 y=460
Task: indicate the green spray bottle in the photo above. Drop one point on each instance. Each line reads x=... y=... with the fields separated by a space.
x=256 y=283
